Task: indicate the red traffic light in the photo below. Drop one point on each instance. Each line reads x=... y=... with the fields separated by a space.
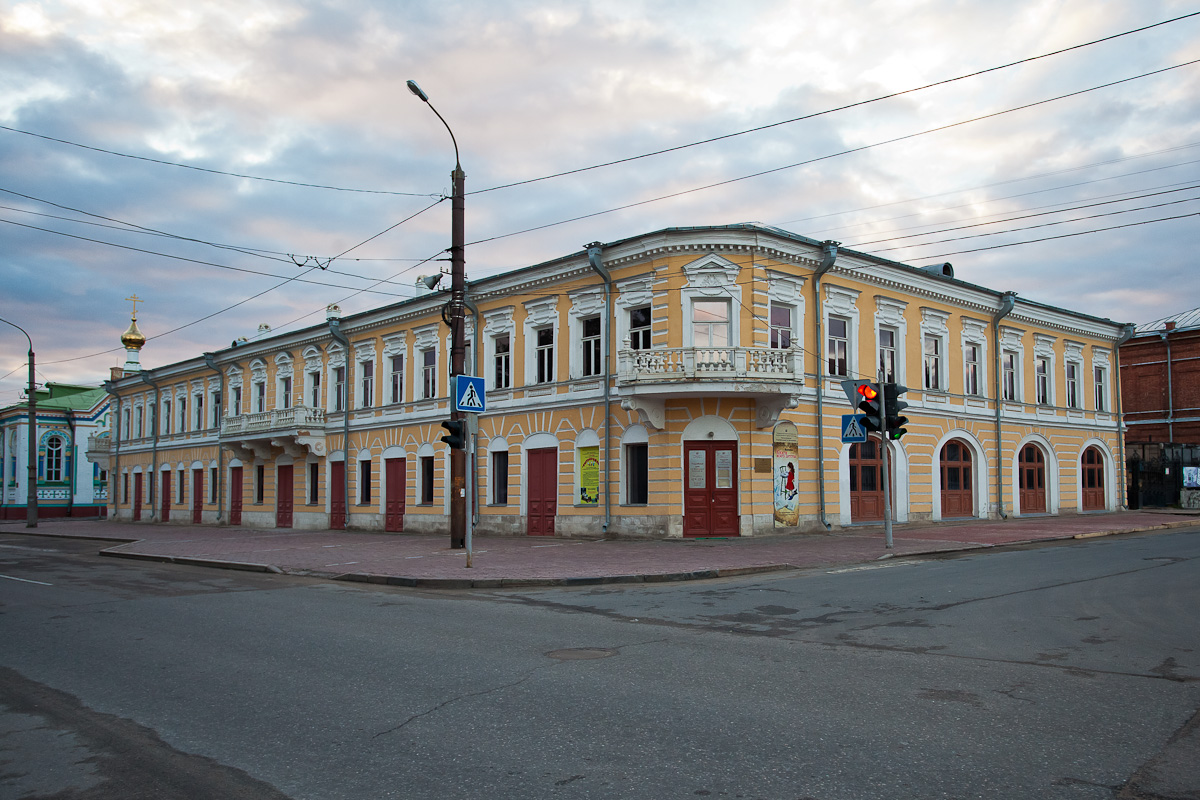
x=868 y=391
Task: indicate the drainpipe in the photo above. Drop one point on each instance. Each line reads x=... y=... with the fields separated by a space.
x=74 y=464
x=1170 y=394
x=593 y=253
x=335 y=330
x=474 y=309
x=211 y=363
x=829 y=250
x=154 y=477
x=1126 y=335
x=1007 y=301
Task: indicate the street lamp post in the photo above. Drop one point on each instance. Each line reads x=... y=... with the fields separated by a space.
x=31 y=508
x=458 y=291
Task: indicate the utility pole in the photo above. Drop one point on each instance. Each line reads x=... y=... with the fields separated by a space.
x=31 y=502
x=887 y=472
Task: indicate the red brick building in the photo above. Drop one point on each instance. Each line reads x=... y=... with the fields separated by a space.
x=1160 y=381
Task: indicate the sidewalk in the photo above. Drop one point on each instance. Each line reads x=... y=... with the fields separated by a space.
x=426 y=560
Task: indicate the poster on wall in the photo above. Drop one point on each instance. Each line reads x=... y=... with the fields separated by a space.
x=589 y=476
x=784 y=446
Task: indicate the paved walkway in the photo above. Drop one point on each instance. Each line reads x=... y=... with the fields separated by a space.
x=426 y=560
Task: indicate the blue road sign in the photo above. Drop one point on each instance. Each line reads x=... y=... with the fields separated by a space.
x=469 y=394
x=852 y=428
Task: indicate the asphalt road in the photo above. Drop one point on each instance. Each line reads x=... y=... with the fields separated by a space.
x=1052 y=672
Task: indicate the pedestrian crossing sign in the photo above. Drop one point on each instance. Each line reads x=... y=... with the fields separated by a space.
x=469 y=394
x=852 y=428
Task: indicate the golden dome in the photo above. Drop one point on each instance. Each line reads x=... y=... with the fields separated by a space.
x=133 y=338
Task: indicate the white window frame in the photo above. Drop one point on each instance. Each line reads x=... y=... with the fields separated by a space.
x=313 y=370
x=540 y=314
x=632 y=294
x=587 y=304
x=395 y=347
x=283 y=380
x=1101 y=370
x=842 y=303
x=888 y=352
x=934 y=325
x=1072 y=383
x=1011 y=344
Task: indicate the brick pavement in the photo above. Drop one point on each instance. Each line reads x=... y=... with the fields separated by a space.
x=426 y=560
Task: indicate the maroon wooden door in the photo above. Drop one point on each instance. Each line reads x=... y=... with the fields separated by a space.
x=542 y=498
x=957 y=495
x=137 y=496
x=197 y=495
x=166 y=495
x=866 y=482
x=337 y=495
x=235 y=495
x=284 y=497
x=395 y=479
x=710 y=489
x=1092 y=479
x=1031 y=474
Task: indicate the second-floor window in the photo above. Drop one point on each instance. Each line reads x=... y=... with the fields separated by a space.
x=710 y=323
x=235 y=401
x=339 y=388
x=1042 y=380
x=285 y=391
x=639 y=328
x=545 y=355
x=1072 y=385
x=1010 y=376
x=183 y=417
x=366 y=397
x=933 y=362
x=1099 y=375
x=591 y=346
x=971 y=377
x=396 y=388
x=198 y=410
x=314 y=389
x=166 y=418
x=781 y=327
x=838 y=347
x=502 y=364
x=260 y=396
x=215 y=411
x=429 y=374
x=887 y=354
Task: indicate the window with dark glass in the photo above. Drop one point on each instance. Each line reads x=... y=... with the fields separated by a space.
x=397 y=384
x=933 y=362
x=637 y=474
x=364 y=481
x=545 y=355
x=887 y=353
x=339 y=388
x=1010 y=376
x=639 y=328
x=429 y=374
x=501 y=364
x=426 y=480
x=781 y=327
x=314 y=483
x=1042 y=375
x=971 y=377
x=591 y=346
x=499 y=477
x=838 y=347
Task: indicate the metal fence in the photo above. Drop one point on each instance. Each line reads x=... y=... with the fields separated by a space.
x=1156 y=472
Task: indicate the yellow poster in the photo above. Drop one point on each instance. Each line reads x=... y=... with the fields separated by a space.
x=589 y=476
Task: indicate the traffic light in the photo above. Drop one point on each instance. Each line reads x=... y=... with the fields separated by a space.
x=871 y=406
x=893 y=405
x=456 y=433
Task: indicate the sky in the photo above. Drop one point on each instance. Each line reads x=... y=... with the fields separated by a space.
x=228 y=161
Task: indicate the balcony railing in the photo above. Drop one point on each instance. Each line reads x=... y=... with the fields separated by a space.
x=278 y=419
x=710 y=363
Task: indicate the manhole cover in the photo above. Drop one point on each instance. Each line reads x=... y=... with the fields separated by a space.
x=582 y=653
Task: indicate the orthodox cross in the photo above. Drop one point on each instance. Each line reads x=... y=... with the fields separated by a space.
x=135 y=300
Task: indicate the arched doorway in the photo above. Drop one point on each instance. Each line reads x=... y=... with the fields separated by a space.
x=1031 y=472
x=866 y=481
x=1092 y=479
x=958 y=496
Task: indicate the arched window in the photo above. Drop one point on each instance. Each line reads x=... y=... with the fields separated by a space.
x=54 y=459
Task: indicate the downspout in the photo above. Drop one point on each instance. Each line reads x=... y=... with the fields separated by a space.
x=335 y=330
x=1007 y=301
x=1125 y=337
x=154 y=477
x=211 y=363
x=829 y=250
x=474 y=309
x=74 y=463
x=593 y=253
x=1170 y=394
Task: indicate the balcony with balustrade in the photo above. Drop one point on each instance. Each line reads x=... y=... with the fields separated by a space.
x=646 y=379
x=296 y=431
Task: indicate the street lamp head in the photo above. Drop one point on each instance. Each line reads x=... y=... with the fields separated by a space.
x=412 y=87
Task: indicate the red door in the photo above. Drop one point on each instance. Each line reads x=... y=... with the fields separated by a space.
x=866 y=482
x=395 y=476
x=1093 y=480
x=1031 y=473
x=957 y=496
x=284 y=497
x=542 y=499
x=235 y=495
x=137 y=496
x=337 y=495
x=197 y=495
x=710 y=489
x=166 y=495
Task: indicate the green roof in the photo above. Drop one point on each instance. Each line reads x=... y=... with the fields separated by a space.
x=66 y=397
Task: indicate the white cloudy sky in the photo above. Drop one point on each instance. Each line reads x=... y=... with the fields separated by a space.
x=314 y=93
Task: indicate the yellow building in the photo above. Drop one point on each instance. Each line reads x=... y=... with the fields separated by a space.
x=677 y=383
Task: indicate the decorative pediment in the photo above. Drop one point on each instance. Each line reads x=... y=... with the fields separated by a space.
x=785 y=289
x=711 y=272
x=634 y=292
x=541 y=312
x=587 y=302
x=498 y=321
x=890 y=312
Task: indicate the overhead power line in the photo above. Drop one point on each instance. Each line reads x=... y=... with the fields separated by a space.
x=833 y=110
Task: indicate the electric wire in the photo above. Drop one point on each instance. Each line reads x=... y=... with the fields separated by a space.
x=834 y=110
x=833 y=155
